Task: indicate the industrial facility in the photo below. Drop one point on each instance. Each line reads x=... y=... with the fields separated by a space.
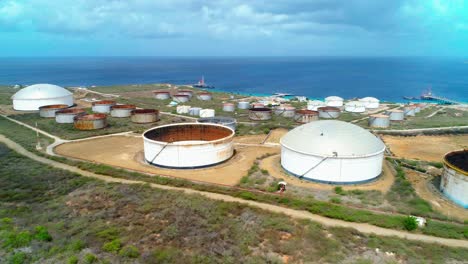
x=335 y=101
x=48 y=111
x=332 y=152
x=370 y=102
x=37 y=95
x=454 y=182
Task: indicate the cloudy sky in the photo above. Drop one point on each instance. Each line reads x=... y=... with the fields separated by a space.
x=234 y=27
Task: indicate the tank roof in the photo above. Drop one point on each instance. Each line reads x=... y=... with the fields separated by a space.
x=41 y=91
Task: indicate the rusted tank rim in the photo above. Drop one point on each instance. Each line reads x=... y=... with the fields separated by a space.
x=55 y=106
x=104 y=102
x=204 y=93
x=161 y=92
x=229 y=137
x=181 y=95
x=123 y=106
x=185 y=91
x=286 y=108
x=72 y=111
x=228 y=104
x=449 y=163
x=260 y=109
x=379 y=116
x=307 y=112
x=90 y=117
x=329 y=109
x=145 y=111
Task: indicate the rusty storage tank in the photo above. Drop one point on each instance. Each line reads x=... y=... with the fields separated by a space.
x=260 y=114
x=188 y=145
x=103 y=106
x=305 y=116
x=285 y=111
x=409 y=110
x=454 y=182
x=396 y=115
x=329 y=112
x=90 y=122
x=243 y=105
x=186 y=92
x=123 y=110
x=220 y=120
x=49 y=111
x=258 y=105
x=162 y=95
x=205 y=96
x=144 y=116
x=207 y=113
x=181 y=98
x=67 y=116
x=229 y=107
x=379 y=120
x=194 y=111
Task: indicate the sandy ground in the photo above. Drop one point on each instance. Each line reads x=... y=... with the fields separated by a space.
x=127 y=152
x=274 y=137
x=272 y=164
x=421 y=184
x=429 y=148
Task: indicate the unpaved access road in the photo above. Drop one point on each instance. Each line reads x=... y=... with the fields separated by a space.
x=363 y=228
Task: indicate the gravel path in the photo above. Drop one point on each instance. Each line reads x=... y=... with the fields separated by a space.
x=363 y=228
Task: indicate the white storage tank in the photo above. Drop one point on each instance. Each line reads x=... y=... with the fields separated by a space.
x=229 y=107
x=205 y=96
x=48 y=111
x=162 y=95
x=123 y=110
x=144 y=116
x=329 y=112
x=370 y=102
x=333 y=152
x=188 y=145
x=207 y=113
x=396 y=115
x=305 y=116
x=258 y=105
x=194 y=111
x=379 y=121
x=409 y=110
x=103 y=107
x=186 y=92
x=37 y=95
x=454 y=182
x=315 y=104
x=67 y=116
x=334 y=101
x=355 y=107
x=181 y=98
x=183 y=109
x=243 y=105
x=285 y=111
x=220 y=120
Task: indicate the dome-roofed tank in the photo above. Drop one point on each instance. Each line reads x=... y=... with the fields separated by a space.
x=37 y=95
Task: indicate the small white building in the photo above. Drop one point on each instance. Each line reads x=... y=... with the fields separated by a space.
x=37 y=95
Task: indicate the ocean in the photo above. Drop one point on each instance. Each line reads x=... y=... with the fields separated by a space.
x=315 y=77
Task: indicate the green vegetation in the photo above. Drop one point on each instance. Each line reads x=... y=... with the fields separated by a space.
x=6 y=92
x=410 y=223
x=22 y=135
x=86 y=217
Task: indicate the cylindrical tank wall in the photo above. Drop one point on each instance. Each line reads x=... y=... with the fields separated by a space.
x=454 y=181
x=229 y=107
x=48 y=111
x=194 y=111
x=243 y=105
x=306 y=116
x=122 y=110
x=225 y=121
x=260 y=114
x=144 y=116
x=396 y=115
x=329 y=112
x=90 y=122
x=67 y=116
x=205 y=96
x=103 y=107
x=207 y=113
x=381 y=121
x=285 y=111
x=409 y=111
x=162 y=95
x=181 y=98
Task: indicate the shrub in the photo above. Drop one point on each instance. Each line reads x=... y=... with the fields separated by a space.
x=18 y=258
x=72 y=260
x=89 y=258
x=264 y=172
x=76 y=245
x=335 y=200
x=17 y=240
x=42 y=234
x=166 y=255
x=108 y=234
x=339 y=190
x=129 y=252
x=113 y=246
x=410 y=223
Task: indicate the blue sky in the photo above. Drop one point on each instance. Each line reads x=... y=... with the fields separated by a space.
x=233 y=27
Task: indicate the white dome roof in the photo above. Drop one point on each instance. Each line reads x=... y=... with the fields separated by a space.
x=41 y=91
x=354 y=103
x=323 y=138
x=369 y=99
x=333 y=98
x=316 y=102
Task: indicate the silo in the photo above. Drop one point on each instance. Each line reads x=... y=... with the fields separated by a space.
x=49 y=111
x=186 y=92
x=181 y=98
x=285 y=111
x=370 y=102
x=409 y=110
x=123 y=110
x=220 y=120
x=162 y=95
x=454 y=182
x=205 y=96
x=103 y=106
x=378 y=120
x=67 y=116
x=243 y=105
x=334 y=101
x=306 y=116
x=329 y=112
x=260 y=114
x=229 y=107
x=90 y=122
x=183 y=109
x=355 y=107
x=207 y=113
x=144 y=116
x=314 y=105
x=396 y=115
x=188 y=145
x=194 y=111
x=258 y=105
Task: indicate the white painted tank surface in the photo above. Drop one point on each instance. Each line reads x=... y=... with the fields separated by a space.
x=305 y=116
x=194 y=111
x=207 y=113
x=370 y=102
x=333 y=152
x=205 y=96
x=285 y=111
x=34 y=96
x=396 y=115
x=243 y=105
x=188 y=145
x=162 y=95
x=329 y=112
x=417 y=108
x=454 y=181
x=103 y=106
x=355 y=107
x=220 y=120
x=183 y=109
x=315 y=104
x=258 y=105
x=123 y=110
x=66 y=116
x=48 y=111
x=144 y=116
x=334 y=101
x=181 y=98
x=409 y=110
x=379 y=121
x=186 y=92
x=229 y=107
x=260 y=114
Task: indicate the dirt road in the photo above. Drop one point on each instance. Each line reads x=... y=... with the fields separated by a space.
x=363 y=228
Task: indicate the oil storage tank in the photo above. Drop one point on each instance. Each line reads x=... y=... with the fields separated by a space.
x=123 y=110
x=229 y=107
x=260 y=114
x=186 y=92
x=144 y=116
x=48 y=111
x=207 y=113
x=454 y=182
x=355 y=107
x=103 y=106
x=334 y=101
x=243 y=105
x=329 y=112
x=285 y=111
x=188 y=145
x=396 y=115
x=409 y=110
x=67 y=116
x=370 y=102
x=90 y=122
x=315 y=104
x=37 y=95
x=220 y=120
x=379 y=121
x=205 y=96
x=181 y=98
x=333 y=152
x=305 y=116
x=194 y=111
x=162 y=95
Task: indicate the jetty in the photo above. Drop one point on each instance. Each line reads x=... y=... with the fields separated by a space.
x=441 y=99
